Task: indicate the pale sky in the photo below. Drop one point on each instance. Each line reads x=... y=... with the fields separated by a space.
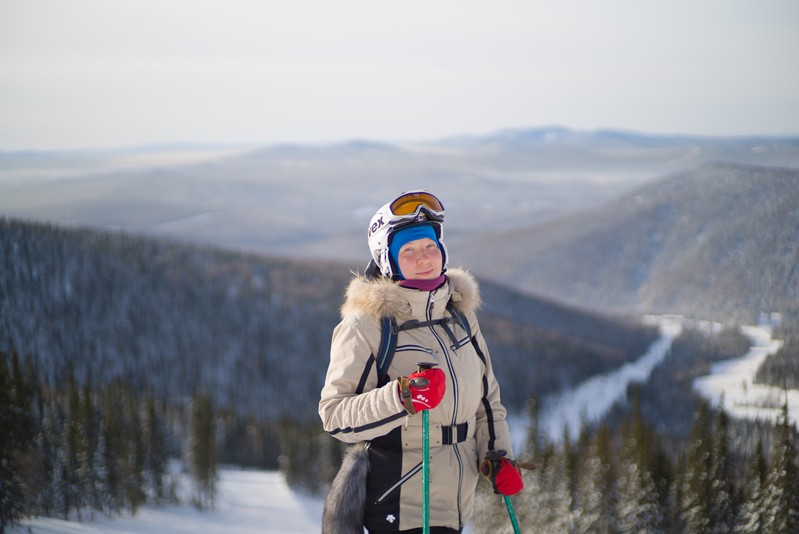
x=103 y=73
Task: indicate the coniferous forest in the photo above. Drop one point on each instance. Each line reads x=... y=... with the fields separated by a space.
x=628 y=479
x=128 y=361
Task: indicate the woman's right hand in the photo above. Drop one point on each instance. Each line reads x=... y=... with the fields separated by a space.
x=422 y=390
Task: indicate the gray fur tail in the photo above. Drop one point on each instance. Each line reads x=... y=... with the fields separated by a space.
x=345 y=502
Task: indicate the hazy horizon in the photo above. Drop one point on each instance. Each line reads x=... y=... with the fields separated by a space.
x=93 y=74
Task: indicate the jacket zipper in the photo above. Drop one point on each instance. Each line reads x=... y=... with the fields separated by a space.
x=430 y=307
x=416 y=348
x=403 y=479
x=455 y=395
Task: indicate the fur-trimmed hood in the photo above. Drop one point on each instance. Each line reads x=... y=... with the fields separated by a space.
x=381 y=297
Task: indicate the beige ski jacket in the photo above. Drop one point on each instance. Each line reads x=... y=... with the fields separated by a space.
x=469 y=421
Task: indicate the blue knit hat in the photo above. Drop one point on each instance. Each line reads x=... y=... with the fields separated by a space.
x=411 y=233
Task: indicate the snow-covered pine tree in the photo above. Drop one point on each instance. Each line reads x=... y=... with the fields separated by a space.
x=114 y=450
x=781 y=498
x=155 y=451
x=87 y=459
x=70 y=445
x=588 y=489
x=750 y=516
x=133 y=481
x=15 y=420
x=552 y=514
x=722 y=492
x=695 y=490
x=638 y=507
x=202 y=462
x=608 y=482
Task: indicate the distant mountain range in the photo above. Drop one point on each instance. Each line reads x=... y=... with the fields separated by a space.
x=717 y=241
x=594 y=218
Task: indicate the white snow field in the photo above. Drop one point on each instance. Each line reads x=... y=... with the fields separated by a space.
x=593 y=398
x=261 y=502
x=731 y=382
x=248 y=502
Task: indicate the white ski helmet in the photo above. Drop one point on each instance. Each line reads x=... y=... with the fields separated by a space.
x=412 y=207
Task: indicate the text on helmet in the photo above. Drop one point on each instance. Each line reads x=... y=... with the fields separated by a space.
x=376 y=226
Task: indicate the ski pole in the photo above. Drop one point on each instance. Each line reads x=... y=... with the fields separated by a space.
x=509 y=505
x=487 y=469
x=422 y=382
x=512 y=514
x=425 y=472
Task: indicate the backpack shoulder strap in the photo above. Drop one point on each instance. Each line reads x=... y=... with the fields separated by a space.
x=460 y=317
x=388 y=344
x=388 y=338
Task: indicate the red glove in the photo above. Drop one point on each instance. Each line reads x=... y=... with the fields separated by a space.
x=422 y=390
x=508 y=480
x=503 y=474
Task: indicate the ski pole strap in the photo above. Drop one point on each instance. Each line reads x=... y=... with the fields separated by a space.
x=491 y=463
x=405 y=394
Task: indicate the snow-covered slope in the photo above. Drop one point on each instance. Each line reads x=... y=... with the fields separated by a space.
x=592 y=399
x=248 y=502
x=731 y=382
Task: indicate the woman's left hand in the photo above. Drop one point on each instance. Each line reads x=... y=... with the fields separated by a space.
x=502 y=472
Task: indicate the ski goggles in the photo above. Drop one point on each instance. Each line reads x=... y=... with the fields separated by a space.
x=413 y=202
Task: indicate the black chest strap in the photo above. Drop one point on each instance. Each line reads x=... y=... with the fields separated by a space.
x=390 y=329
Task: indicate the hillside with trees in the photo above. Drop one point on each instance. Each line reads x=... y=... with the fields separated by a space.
x=180 y=318
x=122 y=352
x=717 y=241
x=272 y=199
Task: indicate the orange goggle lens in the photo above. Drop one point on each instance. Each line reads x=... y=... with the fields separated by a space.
x=409 y=203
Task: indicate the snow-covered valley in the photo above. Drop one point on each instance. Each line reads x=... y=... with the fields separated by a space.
x=592 y=399
x=731 y=382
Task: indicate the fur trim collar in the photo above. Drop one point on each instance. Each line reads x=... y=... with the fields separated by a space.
x=382 y=297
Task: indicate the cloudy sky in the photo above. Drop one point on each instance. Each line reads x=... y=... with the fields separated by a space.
x=98 y=73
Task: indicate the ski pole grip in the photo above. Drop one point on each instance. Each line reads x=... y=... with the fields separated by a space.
x=420 y=381
x=496 y=454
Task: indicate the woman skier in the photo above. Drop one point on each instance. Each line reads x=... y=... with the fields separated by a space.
x=379 y=485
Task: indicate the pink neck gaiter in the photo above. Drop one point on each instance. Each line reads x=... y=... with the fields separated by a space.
x=424 y=285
